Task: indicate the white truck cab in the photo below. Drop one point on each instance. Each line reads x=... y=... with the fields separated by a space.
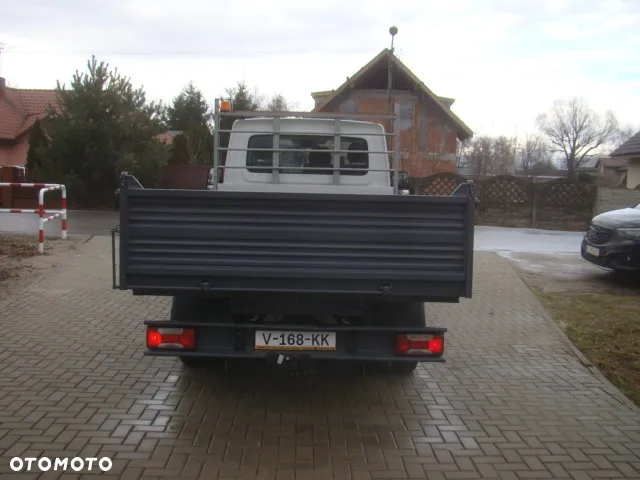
x=306 y=154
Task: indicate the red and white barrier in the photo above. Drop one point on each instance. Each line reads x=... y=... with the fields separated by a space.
x=44 y=188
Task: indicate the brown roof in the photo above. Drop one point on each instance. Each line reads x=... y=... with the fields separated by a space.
x=630 y=147
x=443 y=103
x=20 y=108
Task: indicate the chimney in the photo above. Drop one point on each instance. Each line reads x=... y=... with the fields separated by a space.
x=3 y=84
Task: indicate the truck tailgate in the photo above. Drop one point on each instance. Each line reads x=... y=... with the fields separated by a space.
x=405 y=247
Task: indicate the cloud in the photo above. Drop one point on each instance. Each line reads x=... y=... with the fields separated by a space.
x=504 y=61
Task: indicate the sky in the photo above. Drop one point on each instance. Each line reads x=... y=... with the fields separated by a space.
x=504 y=61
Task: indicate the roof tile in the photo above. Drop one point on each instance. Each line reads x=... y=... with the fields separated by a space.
x=630 y=147
x=20 y=108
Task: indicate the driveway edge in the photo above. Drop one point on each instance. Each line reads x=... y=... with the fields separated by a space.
x=584 y=361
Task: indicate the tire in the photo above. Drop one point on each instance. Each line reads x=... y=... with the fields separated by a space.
x=192 y=362
x=403 y=367
x=185 y=308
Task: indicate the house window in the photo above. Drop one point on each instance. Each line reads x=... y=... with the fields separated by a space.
x=349 y=106
x=405 y=114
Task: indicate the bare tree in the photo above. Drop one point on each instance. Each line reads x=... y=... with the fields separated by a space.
x=485 y=155
x=576 y=131
x=622 y=135
x=533 y=154
x=503 y=156
x=478 y=156
x=278 y=103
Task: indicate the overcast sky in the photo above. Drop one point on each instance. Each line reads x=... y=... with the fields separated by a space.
x=504 y=61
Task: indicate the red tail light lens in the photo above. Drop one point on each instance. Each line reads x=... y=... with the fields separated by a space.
x=419 y=345
x=184 y=338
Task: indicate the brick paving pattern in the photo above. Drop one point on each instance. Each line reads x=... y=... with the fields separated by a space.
x=512 y=401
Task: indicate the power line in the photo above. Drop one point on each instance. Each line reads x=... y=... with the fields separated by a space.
x=188 y=53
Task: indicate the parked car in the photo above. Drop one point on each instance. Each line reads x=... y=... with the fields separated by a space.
x=613 y=240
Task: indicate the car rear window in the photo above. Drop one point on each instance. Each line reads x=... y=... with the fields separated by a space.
x=302 y=161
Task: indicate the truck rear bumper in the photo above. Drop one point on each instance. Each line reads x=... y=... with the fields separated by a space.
x=237 y=340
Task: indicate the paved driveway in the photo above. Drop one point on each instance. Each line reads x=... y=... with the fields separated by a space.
x=512 y=402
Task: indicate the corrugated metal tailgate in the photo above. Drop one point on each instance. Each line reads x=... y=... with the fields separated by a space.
x=247 y=241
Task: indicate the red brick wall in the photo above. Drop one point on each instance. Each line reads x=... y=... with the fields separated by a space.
x=416 y=162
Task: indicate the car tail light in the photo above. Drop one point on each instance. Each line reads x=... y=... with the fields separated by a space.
x=419 y=345
x=184 y=338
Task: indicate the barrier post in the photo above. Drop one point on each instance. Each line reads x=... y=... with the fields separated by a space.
x=40 y=223
x=64 y=213
x=40 y=211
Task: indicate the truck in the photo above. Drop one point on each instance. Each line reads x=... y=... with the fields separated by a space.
x=306 y=246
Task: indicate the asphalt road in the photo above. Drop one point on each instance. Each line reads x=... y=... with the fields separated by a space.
x=495 y=239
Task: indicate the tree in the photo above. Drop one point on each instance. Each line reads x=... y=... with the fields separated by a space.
x=189 y=108
x=486 y=155
x=38 y=147
x=242 y=98
x=534 y=156
x=277 y=103
x=622 y=135
x=575 y=131
x=190 y=114
x=103 y=125
x=179 y=151
x=503 y=156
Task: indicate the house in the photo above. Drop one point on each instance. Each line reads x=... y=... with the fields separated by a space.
x=168 y=136
x=607 y=171
x=19 y=109
x=428 y=127
x=629 y=154
x=590 y=165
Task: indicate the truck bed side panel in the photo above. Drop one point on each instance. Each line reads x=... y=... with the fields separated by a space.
x=416 y=247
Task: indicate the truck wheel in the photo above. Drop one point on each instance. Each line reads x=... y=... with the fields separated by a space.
x=192 y=362
x=406 y=315
x=403 y=367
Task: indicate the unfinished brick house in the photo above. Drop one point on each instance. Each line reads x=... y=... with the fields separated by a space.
x=428 y=127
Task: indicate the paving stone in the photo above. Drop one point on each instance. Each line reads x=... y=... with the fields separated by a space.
x=511 y=402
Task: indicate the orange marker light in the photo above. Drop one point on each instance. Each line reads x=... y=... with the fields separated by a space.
x=225 y=106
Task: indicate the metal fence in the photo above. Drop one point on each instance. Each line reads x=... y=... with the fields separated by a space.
x=276 y=168
x=44 y=215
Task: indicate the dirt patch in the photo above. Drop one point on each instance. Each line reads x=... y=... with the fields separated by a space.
x=597 y=309
x=20 y=263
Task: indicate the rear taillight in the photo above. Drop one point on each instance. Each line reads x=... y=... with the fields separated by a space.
x=184 y=338
x=419 y=345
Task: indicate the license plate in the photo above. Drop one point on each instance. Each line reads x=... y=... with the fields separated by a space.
x=290 y=340
x=592 y=251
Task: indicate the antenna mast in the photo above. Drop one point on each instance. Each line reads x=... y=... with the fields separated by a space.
x=393 y=31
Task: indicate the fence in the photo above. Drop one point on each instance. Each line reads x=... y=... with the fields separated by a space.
x=44 y=188
x=614 y=198
x=186 y=176
x=509 y=201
